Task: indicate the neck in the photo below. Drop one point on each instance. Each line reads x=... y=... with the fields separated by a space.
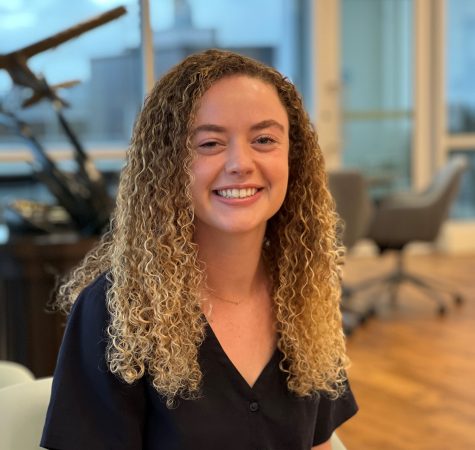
x=233 y=263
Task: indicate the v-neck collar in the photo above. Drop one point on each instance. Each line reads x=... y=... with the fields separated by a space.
x=233 y=370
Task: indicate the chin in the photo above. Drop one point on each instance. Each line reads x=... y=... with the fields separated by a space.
x=238 y=228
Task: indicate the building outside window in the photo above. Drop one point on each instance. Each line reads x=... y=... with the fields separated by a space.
x=107 y=61
x=88 y=58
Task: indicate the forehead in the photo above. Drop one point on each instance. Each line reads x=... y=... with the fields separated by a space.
x=241 y=94
x=241 y=82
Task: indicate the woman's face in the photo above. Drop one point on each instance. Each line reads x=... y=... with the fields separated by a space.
x=241 y=144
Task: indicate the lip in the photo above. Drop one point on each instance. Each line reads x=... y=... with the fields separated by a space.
x=239 y=201
x=238 y=186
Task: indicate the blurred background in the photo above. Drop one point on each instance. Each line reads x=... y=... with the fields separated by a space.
x=389 y=85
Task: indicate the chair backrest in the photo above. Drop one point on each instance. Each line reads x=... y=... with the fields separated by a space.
x=353 y=204
x=14 y=373
x=23 y=411
x=444 y=188
x=406 y=217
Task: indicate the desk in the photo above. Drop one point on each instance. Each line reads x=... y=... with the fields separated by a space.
x=29 y=334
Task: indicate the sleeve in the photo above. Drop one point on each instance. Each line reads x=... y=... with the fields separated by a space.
x=90 y=407
x=332 y=413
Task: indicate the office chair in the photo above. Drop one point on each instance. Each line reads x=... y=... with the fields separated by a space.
x=23 y=411
x=355 y=208
x=14 y=373
x=336 y=443
x=404 y=218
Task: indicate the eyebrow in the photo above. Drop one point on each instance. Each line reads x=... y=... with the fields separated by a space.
x=268 y=124
x=208 y=127
x=257 y=126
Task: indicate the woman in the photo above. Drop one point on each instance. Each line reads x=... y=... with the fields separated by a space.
x=208 y=317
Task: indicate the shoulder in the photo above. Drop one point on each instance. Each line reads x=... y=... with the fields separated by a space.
x=92 y=299
x=84 y=345
x=88 y=320
x=332 y=412
x=90 y=407
x=96 y=290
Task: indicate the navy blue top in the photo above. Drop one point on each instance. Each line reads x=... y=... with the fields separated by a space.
x=91 y=408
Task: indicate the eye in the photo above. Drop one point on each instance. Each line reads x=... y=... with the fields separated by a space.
x=208 y=144
x=209 y=147
x=265 y=140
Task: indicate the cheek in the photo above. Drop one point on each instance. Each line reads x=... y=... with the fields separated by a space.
x=194 y=181
x=200 y=180
x=285 y=179
x=197 y=170
x=281 y=173
x=285 y=185
x=287 y=170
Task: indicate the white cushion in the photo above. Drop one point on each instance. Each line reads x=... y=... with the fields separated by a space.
x=23 y=412
x=13 y=373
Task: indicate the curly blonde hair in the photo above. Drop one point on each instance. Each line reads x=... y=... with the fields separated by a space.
x=157 y=325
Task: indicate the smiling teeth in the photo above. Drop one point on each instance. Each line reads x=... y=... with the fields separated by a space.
x=237 y=193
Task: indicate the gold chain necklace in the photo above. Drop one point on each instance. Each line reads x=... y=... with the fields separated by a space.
x=233 y=302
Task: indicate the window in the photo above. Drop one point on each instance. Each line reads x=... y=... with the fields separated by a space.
x=108 y=95
x=377 y=91
x=272 y=31
x=460 y=97
x=461 y=66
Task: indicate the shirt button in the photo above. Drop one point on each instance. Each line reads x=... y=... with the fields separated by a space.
x=254 y=406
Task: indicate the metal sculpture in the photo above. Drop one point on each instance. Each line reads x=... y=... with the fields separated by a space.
x=84 y=195
x=16 y=63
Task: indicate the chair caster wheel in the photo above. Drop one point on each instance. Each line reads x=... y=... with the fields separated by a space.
x=441 y=311
x=362 y=319
x=458 y=299
x=371 y=312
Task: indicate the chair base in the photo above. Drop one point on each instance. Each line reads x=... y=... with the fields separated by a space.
x=352 y=318
x=431 y=287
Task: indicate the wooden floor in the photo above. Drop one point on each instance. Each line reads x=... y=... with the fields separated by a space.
x=413 y=372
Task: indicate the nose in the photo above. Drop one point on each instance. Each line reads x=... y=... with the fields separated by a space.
x=239 y=159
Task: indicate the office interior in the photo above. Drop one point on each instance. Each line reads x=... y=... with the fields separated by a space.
x=389 y=86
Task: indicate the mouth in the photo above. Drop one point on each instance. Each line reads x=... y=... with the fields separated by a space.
x=237 y=193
